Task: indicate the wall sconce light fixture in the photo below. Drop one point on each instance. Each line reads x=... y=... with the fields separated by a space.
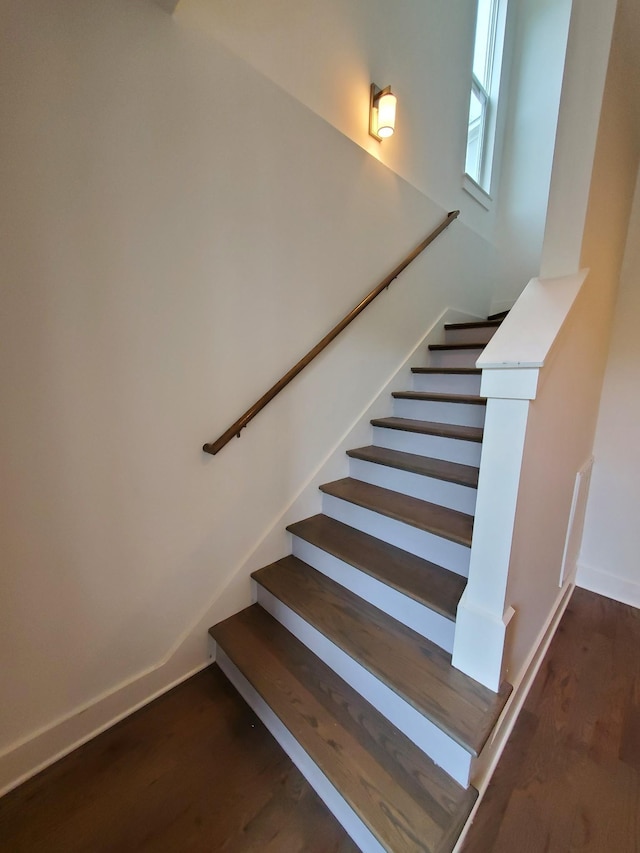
x=382 y=112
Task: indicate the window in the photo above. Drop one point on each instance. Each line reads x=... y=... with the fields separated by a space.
x=485 y=85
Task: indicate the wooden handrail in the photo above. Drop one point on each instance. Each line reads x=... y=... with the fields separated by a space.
x=240 y=424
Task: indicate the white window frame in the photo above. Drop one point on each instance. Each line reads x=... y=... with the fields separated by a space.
x=480 y=189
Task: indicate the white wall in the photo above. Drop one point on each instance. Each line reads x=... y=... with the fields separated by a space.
x=588 y=49
x=539 y=50
x=608 y=561
x=562 y=418
x=557 y=446
x=556 y=429
x=327 y=54
x=176 y=231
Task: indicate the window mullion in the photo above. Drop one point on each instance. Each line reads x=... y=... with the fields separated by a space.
x=480 y=91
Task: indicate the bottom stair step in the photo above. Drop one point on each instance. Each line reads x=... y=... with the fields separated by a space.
x=405 y=801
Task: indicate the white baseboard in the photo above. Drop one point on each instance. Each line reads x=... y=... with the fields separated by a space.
x=498 y=306
x=612 y=586
x=488 y=760
x=54 y=742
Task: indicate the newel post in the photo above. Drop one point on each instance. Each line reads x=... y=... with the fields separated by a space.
x=482 y=618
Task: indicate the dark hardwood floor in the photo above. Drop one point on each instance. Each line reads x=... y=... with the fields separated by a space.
x=569 y=778
x=196 y=770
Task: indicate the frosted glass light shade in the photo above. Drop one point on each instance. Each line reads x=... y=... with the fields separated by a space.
x=382 y=112
x=386 y=115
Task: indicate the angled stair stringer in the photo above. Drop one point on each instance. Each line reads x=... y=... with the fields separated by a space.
x=346 y=655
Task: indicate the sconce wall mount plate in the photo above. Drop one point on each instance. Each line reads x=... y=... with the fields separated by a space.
x=382 y=112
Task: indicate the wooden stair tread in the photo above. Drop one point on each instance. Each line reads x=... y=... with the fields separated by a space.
x=415 y=668
x=441 y=469
x=409 y=804
x=437 y=397
x=466 y=433
x=465 y=371
x=433 y=518
x=475 y=345
x=476 y=324
x=421 y=580
x=499 y=316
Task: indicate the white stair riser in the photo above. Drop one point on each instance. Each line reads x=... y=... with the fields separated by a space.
x=435 y=446
x=443 y=552
x=454 y=358
x=323 y=787
x=463 y=414
x=451 y=495
x=441 y=748
x=447 y=383
x=469 y=336
x=410 y=612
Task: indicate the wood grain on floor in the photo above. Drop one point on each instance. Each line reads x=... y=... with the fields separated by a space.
x=196 y=770
x=569 y=778
x=193 y=771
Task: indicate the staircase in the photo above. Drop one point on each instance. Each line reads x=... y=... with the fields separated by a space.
x=347 y=654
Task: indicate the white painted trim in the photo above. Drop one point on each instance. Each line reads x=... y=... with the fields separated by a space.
x=450 y=555
x=435 y=446
x=528 y=334
x=86 y=725
x=462 y=414
x=441 y=383
x=321 y=784
x=510 y=383
x=476 y=192
x=497 y=307
x=605 y=583
x=526 y=341
x=482 y=660
x=575 y=524
x=484 y=767
x=420 y=486
x=455 y=358
x=481 y=609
